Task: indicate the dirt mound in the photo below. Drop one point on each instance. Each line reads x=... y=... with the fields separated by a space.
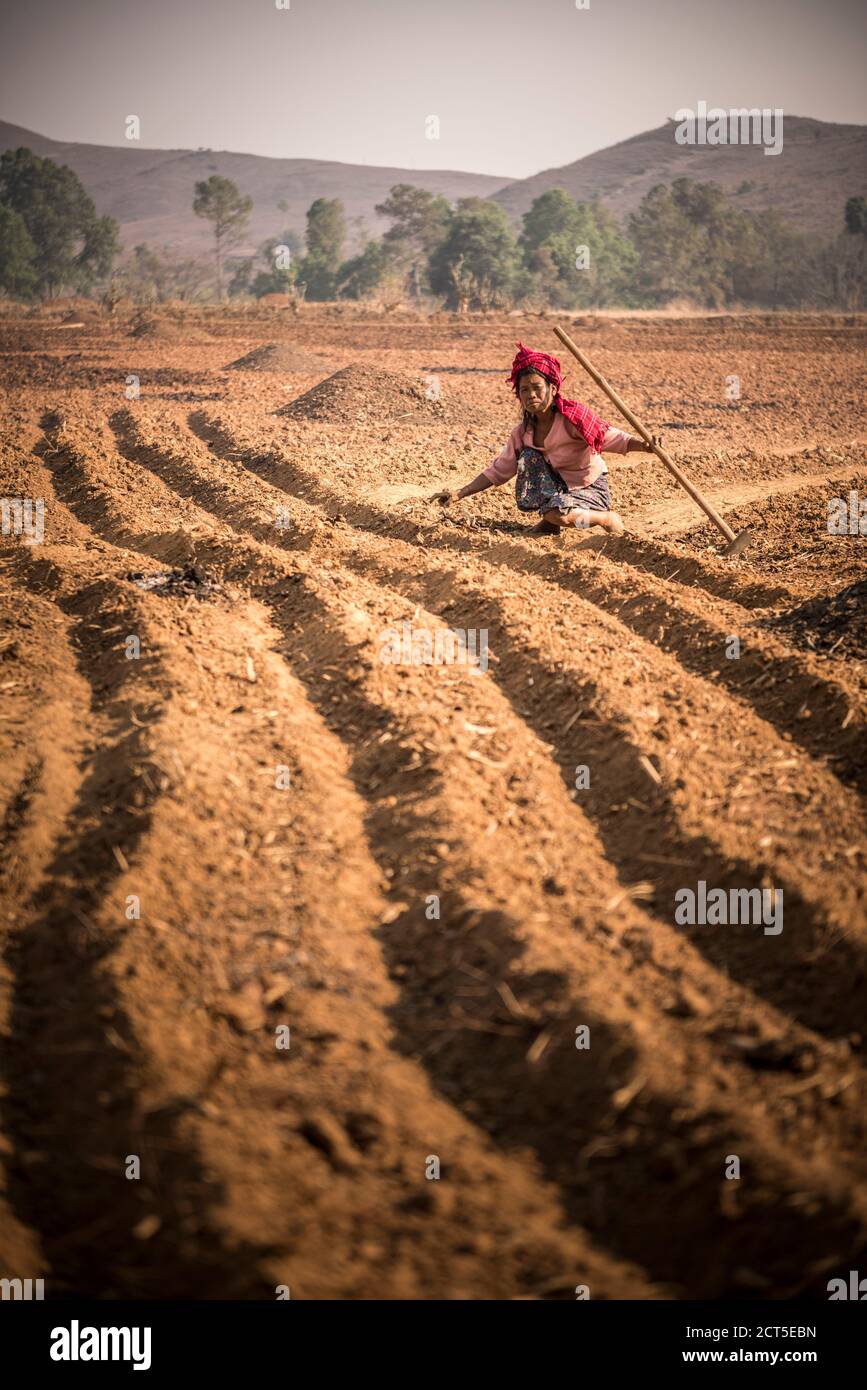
x=86 y=317
x=279 y=357
x=358 y=393
x=165 y=330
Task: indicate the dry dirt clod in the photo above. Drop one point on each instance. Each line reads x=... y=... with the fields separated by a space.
x=323 y=1132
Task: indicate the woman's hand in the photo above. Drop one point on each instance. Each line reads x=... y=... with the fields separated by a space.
x=456 y=494
x=640 y=446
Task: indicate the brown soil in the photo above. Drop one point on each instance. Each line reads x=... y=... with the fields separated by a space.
x=829 y=623
x=280 y=357
x=223 y=815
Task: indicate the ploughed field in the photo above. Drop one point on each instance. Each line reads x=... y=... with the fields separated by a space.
x=296 y=917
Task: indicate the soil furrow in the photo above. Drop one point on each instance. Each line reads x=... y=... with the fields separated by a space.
x=518 y=1106
x=403 y=834
x=821 y=719
x=824 y=910
x=395 y=1150
x=70 y=1087
x=814 y=929
x=434 y=880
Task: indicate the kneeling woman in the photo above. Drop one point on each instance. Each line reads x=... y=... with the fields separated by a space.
x=554 y=453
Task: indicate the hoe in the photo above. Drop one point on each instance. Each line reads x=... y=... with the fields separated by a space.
x=736 y=544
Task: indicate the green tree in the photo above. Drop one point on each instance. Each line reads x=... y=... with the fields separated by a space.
x=842 y=264
x=17 y=256
x=319 y=275
x=360 y=275
x=551 y=214
x=326 y=233
x=690 y=242
x=326 y=227
x=419 y=223
x=856 y=216
x=775 y=266
x=475 y=265
x=73 y=247
x=574 y=254
x=838 y=273
x=100 y=249
x=667 y=247
x=218 y=200
x=273 y=269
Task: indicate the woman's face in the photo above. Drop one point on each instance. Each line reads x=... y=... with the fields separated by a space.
x=535 y=392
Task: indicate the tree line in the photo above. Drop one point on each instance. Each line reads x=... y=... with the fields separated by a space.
x=686 y=240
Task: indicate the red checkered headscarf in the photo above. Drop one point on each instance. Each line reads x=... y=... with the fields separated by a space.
x=589 y=425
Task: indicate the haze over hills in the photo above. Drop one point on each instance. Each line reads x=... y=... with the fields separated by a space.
x=150 y=191
x=820 y=165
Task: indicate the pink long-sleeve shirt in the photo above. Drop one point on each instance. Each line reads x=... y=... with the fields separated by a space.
x=565 y=450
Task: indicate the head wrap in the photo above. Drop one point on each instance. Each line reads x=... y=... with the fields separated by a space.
x=589 y=425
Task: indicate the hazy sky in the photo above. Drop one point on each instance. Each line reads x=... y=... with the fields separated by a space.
x=517 y=85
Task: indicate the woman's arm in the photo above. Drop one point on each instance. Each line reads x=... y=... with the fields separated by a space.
x=619 y=442
x=504 y=467
x=638 y=446
x=479 y=484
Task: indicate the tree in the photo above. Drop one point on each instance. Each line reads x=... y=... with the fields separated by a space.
x=151 y=276
x=273 y=269
x=362 y=274
x=844 y=261
x=856 y=216
x=690 y=241
x=551 y=214
x=420 y=221
x=475 y=264
x=17 y=256
x=835 y=275
x=775 y=268
x=574 y=254
x=72 y=246
x=100 y=249
x=326 y=228
x=219 y=201
x=667 y=246
x=326 y=233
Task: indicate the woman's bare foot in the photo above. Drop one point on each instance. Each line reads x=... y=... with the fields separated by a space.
x=612 y=522
x=544 y=528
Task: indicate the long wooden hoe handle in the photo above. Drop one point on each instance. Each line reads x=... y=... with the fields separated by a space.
x=646 y=436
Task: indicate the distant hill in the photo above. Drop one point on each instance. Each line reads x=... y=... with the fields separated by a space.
x=150 y=192
x=820 y=165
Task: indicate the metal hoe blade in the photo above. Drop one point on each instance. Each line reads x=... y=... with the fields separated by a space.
x=740 y=543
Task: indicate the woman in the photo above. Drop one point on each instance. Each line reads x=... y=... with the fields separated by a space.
x=554 y=453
